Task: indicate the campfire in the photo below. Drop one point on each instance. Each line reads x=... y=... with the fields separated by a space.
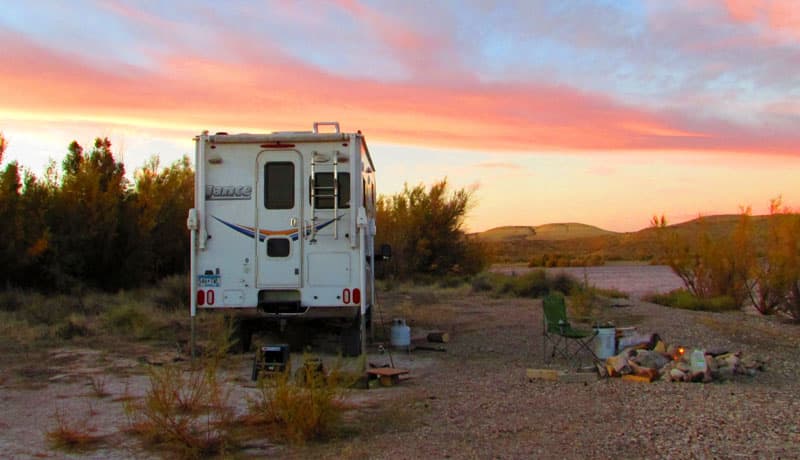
x=645 y=357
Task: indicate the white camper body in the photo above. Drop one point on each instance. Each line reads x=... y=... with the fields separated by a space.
x=283 y=225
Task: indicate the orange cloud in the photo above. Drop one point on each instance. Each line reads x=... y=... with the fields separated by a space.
x=777 y=16
x=263 y=90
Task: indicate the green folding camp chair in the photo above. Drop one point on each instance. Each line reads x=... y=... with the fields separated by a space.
x=559 y=337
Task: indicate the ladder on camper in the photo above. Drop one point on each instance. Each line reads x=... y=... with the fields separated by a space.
x=322 y=192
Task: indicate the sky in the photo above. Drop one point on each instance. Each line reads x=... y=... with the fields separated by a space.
x=604 y=112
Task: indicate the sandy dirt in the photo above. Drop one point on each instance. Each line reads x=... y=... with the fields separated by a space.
x=472 y=401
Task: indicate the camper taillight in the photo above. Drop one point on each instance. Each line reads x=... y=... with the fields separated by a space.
x=355 y=297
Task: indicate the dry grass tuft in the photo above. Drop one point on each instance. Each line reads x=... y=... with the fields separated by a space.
x=72 y=435
x=186 y=411
x=97 y=382
x=298 y=410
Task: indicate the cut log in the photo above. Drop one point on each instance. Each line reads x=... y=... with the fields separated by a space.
x=427 y=348
x=617 y=365
x=439 y=337
x=645 y=372
x=637 y=378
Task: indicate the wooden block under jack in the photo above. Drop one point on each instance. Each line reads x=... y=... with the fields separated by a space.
x=387 y=376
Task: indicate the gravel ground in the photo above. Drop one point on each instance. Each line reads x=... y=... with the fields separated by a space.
x=474 y=400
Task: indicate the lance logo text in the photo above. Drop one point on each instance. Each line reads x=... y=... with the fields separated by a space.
x=228 y=192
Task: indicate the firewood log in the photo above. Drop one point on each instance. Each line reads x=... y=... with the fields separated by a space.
x=438 y=337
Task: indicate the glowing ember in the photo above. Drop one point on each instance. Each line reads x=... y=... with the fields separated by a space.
x=679 y=353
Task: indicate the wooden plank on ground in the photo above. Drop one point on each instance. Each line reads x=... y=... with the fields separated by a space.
x=542 y=374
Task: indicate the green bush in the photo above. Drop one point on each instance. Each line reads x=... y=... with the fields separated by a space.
x=130 y=319
x=534 y=283
x=172 y=293
x=564 y=283
x=531 y=284
x=483 y=282
x=11 y=300
x=681 y=298
x=50 y=310
x=75 y=326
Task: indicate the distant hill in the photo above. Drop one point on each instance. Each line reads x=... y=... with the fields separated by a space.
x=575 y=241
x=546 y=232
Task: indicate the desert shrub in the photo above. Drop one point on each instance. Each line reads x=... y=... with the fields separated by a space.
x=11 y=300
x=585 y=303
x=746 y=264
x=171 y=293
x=774 y=282
x=534 y=283
x=451 y=281
x=483 y=282
x=536 y=261
x=564 y=283
x=531 y=284
x=75 y=326
x=682 y=298
x=19 y=331
x=612 y=293
x=130 y=320
x=302 y=409
x=50 y=309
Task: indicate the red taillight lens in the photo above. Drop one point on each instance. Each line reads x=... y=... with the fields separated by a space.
x=356 y=295
x=201 y=297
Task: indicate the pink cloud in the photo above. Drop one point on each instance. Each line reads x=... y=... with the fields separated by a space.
x=422 y=52
x=268 y=90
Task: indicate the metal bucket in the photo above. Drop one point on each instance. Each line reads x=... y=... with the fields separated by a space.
x=604 y=342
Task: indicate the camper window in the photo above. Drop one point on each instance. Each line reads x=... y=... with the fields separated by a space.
x=323 y=182
x=278 y=247
x=279 y=185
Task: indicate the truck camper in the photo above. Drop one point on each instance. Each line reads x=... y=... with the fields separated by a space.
x=283 y=229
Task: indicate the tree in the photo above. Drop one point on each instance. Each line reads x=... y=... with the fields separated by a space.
x=88 y=218
x=11 y=227
x=162 y=201
x=774 y=284
x=425 y=228
x=756 y=264
x=3 y=146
